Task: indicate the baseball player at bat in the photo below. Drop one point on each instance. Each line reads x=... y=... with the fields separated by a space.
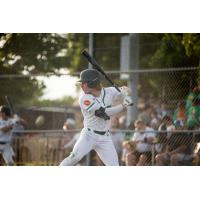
x=96 y=106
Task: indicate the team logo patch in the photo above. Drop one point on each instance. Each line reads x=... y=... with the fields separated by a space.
x=87 y=102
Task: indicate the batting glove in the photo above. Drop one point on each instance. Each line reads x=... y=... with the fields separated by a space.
x=127 y=101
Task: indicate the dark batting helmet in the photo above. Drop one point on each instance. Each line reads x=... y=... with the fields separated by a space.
x=91 y=77
x=6 y=110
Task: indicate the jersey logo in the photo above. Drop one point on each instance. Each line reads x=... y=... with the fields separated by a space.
x=87 y=102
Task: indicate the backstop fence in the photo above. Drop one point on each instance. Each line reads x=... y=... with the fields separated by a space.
x=155 y=87
x=50 y=147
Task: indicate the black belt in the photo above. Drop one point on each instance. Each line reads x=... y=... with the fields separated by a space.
x=3 y=142
x=98 y=132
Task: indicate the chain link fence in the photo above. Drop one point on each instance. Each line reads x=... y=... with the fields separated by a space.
x=49 y=148
x=159 y=93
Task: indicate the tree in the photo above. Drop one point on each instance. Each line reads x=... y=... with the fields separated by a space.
x=47 y=53
x=173 y=52
x=66 y=100
x=29 y=54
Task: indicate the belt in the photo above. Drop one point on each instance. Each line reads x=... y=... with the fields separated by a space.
x=3 y=142
x=98 y=132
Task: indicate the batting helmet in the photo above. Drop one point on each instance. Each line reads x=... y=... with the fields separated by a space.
x=6 y=110
x=91 y=77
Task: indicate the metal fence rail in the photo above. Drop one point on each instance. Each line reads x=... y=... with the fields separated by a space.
x=46 y=147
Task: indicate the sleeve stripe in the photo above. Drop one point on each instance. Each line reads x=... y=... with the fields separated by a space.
x=90 y=106
x=104 y=94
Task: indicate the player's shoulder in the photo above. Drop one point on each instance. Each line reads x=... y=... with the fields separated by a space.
x=86 y=96
x=86 y=99
x=110 y=90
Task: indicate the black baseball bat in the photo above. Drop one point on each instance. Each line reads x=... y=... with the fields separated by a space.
x=9 y=103
x=98 y=68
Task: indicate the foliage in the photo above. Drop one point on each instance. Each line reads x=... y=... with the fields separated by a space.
x=191 y=42
x=29 y=54
x=173 y=51
x=64 y=101
x=47 y=53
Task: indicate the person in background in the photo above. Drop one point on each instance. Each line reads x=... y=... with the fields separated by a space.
x=117 y=135
x=178 y=149
x=155 y=121
x=127 y=137
x=167 y=121
x=18 y=137
x=181 y=112
x=145 y=115
x=193 y=120
x=68 y=126
x=6 y=125
x=140 y=145
x=162 y=110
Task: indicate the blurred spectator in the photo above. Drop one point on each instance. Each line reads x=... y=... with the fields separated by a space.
x=6 y=126
x=117 y=136
x=122 y=122
x=189 y=99
x=196 y=159
x=179 y=148
x=139 y=147
x=18 y=137
x=128 y=135
x=145 y=115
x=162 y=110
x=180 y=113
x=161 y=139
x=167 y=121
x=69 y=126
x=19 y=125
x=193 y=120
x=155 y=121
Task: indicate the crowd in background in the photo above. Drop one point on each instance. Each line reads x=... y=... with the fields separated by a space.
x=163 y=136
x=159 y=136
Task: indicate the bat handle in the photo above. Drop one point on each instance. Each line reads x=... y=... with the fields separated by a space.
x=117 y=88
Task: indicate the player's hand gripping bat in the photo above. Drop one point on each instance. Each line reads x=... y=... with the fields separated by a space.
x=99 y=68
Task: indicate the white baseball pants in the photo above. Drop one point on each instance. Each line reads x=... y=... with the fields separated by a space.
x=88 y=141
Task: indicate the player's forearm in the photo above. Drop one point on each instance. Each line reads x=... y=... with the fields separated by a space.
x=114 y=110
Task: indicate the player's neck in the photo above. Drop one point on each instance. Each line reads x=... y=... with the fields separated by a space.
x=96 y=93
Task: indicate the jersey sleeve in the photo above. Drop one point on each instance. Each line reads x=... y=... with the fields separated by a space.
x=1 y=124
x=115 y=93
x=89 y=103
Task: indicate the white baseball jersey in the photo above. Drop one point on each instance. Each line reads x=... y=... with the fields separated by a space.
x=5 y=137
x=138 y=136
x=89 y=104
x=89 y=139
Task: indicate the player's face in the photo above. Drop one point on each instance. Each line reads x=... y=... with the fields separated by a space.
x=2 y=115
x=85 y=88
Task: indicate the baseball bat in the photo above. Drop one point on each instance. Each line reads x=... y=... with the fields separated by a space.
x=9 y=103
x=99 y=68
